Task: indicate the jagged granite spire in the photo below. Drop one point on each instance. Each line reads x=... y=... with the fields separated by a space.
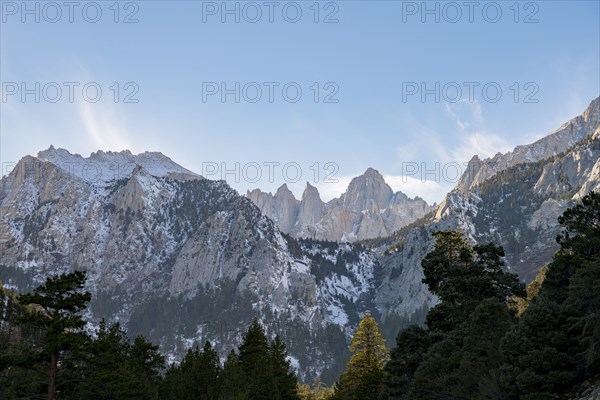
x=366 y=187
x=367 y=209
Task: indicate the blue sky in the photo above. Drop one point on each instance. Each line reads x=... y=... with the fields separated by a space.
x=370 y=60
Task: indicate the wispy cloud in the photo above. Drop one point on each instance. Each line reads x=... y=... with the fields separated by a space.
x=432 y=191
x=473 y=137
x=433 y=154
x=103 y=127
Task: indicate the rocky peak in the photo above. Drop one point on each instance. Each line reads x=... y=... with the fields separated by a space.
x=311 y=207
x=284 y=191
x=368 y=186
x=592 y=113
x=368 y=209
x=470 y=172
x=285 y=208
x=310 y=192
x=102 y=167
x=558 y=141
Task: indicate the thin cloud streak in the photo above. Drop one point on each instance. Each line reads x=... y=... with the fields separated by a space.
x=103 y=128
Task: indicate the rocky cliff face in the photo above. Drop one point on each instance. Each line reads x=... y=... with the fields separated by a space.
x=368 y=209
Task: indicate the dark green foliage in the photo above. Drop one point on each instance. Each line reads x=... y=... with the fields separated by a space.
x=456 y=366
x=475 y=348
x=458 y=356
x=584 y=303
x=462 y=277
x=59 y=303
x=111 y=367
x=22 y=370
x=411 y=345
x=253 y=356
x=579 y=243
x=538 y=352
x=116 y=369
x=555 y=345
x=197 y=377
x=265 y=366
x=260 y=371
x=285 y=381
x=233 y=379
x=46 y=354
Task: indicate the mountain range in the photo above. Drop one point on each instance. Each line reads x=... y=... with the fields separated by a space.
x=182 y=259
x=368 y=209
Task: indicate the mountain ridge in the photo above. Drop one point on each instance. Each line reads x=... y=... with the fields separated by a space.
x=368 y=208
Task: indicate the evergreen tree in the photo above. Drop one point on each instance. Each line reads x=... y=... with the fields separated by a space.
x=579 y=242
x=60 y=300
x=105 y=373
x=411 y=345
x=466 y=359
x=318 y=391
x=196 y=377
x=462 y=277
x=286 y=383
x=555 y=344
x=468 y=323
x=539 y=353
x=146 y=364
x=306 y=393
x=581 y=238
x=116 y=369
x=233 y=380
x=584 y=306
x=363 y=378
x=23 y=372
x=533 y=289
x=255 y=361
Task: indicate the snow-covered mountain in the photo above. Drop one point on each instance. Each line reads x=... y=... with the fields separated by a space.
x=182 y=259
x=177 y=257
x=368 y=209
x=102 y=167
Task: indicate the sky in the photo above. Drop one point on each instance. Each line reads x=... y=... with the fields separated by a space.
x=271 y=92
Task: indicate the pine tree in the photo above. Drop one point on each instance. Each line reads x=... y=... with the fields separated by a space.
x=146 y=364
x=581 y=240
x=255 y=360
x=462 y=277
x=538 y=352
x=105 y=373
x=61 y=300
x=196 y=377
x=318 y=391
x=233 y=382
x=473 y=313
x=305 y=392
x=556 y=342
x=363 y=378
x=411 y=345
x=284 y=379
x=207 y=376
